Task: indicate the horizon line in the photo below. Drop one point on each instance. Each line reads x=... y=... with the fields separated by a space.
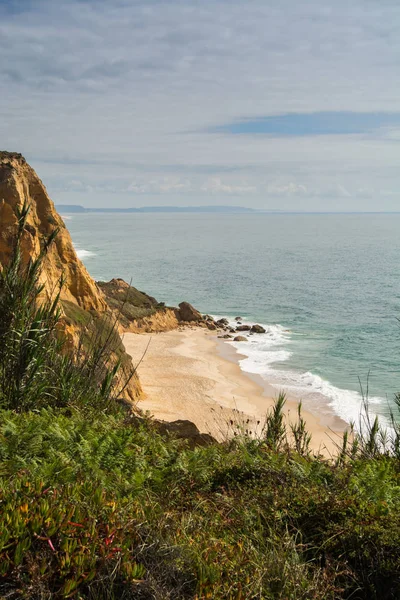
x=220 y=208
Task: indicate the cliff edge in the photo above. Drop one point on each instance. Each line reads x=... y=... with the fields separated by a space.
x=83 y=304
x=20 y=183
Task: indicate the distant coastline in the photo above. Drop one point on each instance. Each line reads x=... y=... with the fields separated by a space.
x=77 y=208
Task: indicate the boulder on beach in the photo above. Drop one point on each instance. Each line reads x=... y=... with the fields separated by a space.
x=243 y=328
x=187 y=312
x=211 y=326
x=223 y=322
x=240 y=338
x=257 y=329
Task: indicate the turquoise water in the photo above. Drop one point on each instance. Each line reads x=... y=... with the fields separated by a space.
x=326 y=286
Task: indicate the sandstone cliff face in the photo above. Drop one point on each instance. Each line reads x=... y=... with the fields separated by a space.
x=82 y=301
x=165 y=320
x=19 y=182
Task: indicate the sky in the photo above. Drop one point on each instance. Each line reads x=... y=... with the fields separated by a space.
x=284 y=105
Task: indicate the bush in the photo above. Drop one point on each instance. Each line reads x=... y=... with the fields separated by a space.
x=95 y=504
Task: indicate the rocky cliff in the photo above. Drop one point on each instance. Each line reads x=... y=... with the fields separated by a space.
x=83 y=303
x=140 y=313
x=87 y=307
x=19 y=183
x=137 y=311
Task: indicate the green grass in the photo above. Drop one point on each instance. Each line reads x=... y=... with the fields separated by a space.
x=96 y=504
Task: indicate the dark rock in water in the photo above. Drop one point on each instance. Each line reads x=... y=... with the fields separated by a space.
x=257 y=329
x=188 y=313
x=211 y=326
x=243 y=328
x=208 y=318
x=238 y=319
x=223 y=322
x=240 y=338
x=231 y=329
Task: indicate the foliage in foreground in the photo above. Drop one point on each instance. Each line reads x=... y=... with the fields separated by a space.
x=109 y=509
x=95 y=504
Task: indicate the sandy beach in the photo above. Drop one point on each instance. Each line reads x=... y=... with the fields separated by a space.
x=191 y=374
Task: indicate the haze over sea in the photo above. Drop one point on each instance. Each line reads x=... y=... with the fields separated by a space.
x=326 y=286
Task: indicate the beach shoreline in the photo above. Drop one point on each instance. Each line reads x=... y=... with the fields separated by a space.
x=190 y=374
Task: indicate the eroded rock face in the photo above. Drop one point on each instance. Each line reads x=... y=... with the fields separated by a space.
x=19 y=182
x=81 y=299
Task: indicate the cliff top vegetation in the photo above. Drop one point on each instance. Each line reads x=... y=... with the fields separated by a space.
x=96 y=504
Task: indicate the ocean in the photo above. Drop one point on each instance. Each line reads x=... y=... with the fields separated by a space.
x=325 y=286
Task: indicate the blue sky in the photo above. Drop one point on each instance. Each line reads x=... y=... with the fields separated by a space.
x=291 y=105
x=317 y=123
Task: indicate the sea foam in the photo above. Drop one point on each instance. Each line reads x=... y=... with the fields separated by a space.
x=265 y=355
x=82 y=254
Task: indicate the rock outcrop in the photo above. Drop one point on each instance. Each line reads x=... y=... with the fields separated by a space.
x=257 y=329
x=186 y=430
x=18 y=184
x=140 y=313
x=243 y=328
x=223 y=322
x=82 y=302
x=188 y=313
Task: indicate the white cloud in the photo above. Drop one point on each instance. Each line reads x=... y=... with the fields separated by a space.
x=117 y=95
x=215 y=185
x=289 y=189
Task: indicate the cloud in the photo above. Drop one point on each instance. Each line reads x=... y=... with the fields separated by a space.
x=159 y=185
x=216 y=186
x=288 y=189
x=132 y=97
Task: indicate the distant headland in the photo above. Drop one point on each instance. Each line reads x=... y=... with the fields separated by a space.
x=76 y=208
x=241 y=210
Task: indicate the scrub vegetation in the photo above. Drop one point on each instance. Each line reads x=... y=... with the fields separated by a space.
x=96 y=504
